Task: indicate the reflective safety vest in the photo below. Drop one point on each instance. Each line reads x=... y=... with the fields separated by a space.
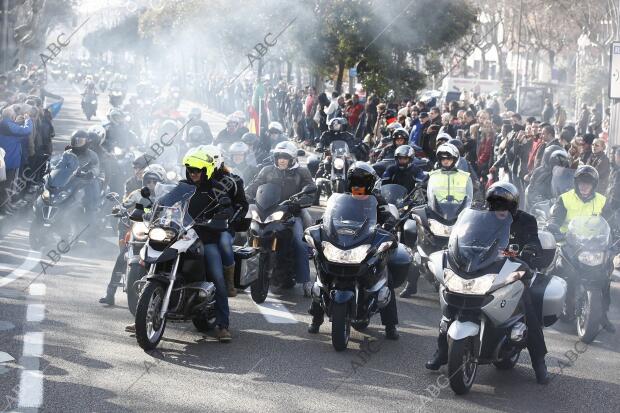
x=575 y=207
x=445 y=183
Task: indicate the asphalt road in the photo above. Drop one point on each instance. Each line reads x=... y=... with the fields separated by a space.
x=61 y=351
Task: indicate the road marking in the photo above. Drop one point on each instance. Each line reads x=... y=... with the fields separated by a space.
x=275 y=312
x=31 y=389
x=6 y=325
x=35 y=313
x=33 y=344
x=37 y=289
x=5 y=357
x=31 y=261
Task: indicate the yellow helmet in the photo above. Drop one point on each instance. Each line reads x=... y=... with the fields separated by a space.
x=199 y=158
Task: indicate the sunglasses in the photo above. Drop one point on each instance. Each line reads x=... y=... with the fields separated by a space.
x=193 y=171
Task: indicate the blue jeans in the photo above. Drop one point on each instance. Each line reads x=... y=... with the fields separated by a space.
x=226 y=249
x=214 y=265
x=300 y=248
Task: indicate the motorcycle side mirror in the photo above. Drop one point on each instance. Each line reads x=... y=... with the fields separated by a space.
x=111 y=196
x=145 y=192
x=137 y=215
x=513 y=248
x=301 y=152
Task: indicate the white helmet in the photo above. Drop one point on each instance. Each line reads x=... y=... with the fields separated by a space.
x=154 y=171
x=443 y=135
x=448 y=151
x=97 y=130
x=285 y=150
x=275 y=126
x=238 y=148
x=240 y=116
x=232 y=119
x=215 y=152
x=393 y=126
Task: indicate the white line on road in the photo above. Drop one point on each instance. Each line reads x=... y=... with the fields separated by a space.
x=276 y=312
x=33 y=344
x=37 y=289
x=31 y=389
x=31 y=261
x=35 y=313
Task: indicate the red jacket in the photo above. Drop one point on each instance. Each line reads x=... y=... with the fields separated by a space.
x=531 y=158
x=485 y=150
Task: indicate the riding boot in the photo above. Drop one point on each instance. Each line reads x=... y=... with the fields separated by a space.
x=229 y=276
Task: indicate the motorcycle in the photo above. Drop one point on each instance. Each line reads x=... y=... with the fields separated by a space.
x=583 y=260
x=352 y=259
x=116 y=97
x=270 y=232
x=89 y=105
x=60 y=202
x=430 y=228
x=481 y=290
x=174 y=288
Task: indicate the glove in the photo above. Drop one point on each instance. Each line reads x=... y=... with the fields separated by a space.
x=294 y=208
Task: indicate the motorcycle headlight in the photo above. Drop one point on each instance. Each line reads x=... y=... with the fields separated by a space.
x=338 y=163
x=256 y=217
x=45 y=195
x=61 y=196
x=117 y=151
x=353 y=256
x=475 y=286
x=439 y=229
x=171 y=175
x=139 y=230
x=591 y=259
x=158 y=234
x=276 y=216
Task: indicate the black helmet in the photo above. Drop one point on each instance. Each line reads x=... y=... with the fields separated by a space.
x=249 y=139
x=400 y=133
x=458 y=144
x=338 y=125
x=404 y=151
x=503 y=196
x=79 y=140
x=586 y=174
x=547 y=154
x=140 y=162
x=559 y=158
x=361 y=174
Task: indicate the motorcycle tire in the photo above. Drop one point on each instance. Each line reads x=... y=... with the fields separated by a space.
x=149 y=304
x=136 y=272
x=260 y=288
x=589 y=315
x=507 y=363
x=341 y=326
x=461 y=370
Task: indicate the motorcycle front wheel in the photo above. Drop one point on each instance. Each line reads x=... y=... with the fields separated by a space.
x=260 y=287
x=462 y=366
x=341 y=326
x=589 y=314
x=149 y=326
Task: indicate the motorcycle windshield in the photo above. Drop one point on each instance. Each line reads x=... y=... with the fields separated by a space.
x=562 y=180
x=590 y=233
x=63 y=171
x=163 y=189
x=173 y=214
x=394 y=194
x=477 y=239
x=348 y=219
x=268 y=197
x=339 y=148
x=448 y=202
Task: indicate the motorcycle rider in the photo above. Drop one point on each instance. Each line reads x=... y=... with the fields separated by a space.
x=238 y=155
x=231 y=134
x=292 y=178
x=583 y=200
x=195 y=119
x=214 y=182
x=337 y=131
x=399 y=137
x=503 y=198
x=135 y=182
x=446 y=180
x=539 y=188
x=153 y=175
x=89 y=171
x=117 y=133
x=361 y=181
x=404 y=172
x=269 y=139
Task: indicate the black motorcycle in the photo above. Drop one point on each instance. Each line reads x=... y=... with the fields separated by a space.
x=89 y=105
x=58 y=210
x=354 y=260
x=116 y=97
x=270 y=234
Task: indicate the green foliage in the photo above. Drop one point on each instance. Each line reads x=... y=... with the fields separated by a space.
x=588 y=87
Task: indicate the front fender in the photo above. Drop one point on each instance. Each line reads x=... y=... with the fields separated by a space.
x=160 y=278
x=461 y=329
x=342 y=296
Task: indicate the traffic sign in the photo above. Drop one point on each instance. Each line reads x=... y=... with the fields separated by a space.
x=614 y=71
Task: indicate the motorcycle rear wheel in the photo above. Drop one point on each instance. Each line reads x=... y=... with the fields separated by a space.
x=149 y=326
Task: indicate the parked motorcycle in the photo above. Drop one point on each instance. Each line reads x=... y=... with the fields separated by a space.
x=270 y=234
x=584 y=261
x=353 y=256
x=481 y=289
